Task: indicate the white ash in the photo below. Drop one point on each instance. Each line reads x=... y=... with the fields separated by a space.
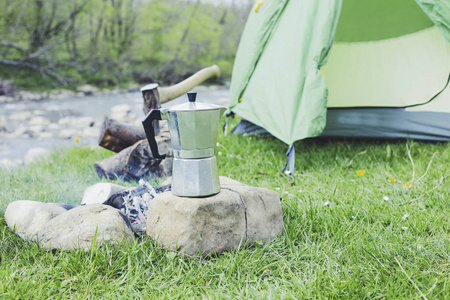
x=134 y=203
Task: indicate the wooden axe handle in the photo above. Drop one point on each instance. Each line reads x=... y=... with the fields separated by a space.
x=172 y=92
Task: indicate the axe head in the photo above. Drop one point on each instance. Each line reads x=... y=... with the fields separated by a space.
x=151 y=97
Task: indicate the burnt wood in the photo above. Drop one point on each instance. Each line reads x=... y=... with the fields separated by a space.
x=136 y=162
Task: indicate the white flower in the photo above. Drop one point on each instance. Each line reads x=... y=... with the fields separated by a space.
x=385 y=198
x=217 y=144
x=404 y=228
x=328 y=203
x=220 y=153
x=405 y=217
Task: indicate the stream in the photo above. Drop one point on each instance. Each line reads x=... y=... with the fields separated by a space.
x=14 y=145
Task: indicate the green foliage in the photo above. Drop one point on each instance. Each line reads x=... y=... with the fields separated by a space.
x=107 y=41
x=381 y=234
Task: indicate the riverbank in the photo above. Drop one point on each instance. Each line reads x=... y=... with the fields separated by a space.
x=81 y=91
x=52 y=123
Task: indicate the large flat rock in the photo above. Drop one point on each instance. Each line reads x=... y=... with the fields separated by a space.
x=26 y=217
x=207 y=225
x=60 y=226
x=80 y=227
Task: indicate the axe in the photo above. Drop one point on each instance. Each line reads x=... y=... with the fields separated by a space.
x=154 y=95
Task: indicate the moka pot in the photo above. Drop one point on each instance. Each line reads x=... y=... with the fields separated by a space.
x=193 y=129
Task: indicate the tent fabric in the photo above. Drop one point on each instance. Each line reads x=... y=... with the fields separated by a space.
x=439 y=12
x=392 y=123
x=396 y=72
x=388 y=62
x=258 y=29
x=283 y=90
x=387 y=123
x=440 y=103
x=376 y=20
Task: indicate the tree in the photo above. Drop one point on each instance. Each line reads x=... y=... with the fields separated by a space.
x=39 y=27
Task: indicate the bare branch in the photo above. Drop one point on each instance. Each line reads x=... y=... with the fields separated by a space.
x=44 y=71
x=426 y=171
x=424 y=194
x=415 y=285
x=43 y=50
x=412 y=162
x=19 y=20
x=13 y=46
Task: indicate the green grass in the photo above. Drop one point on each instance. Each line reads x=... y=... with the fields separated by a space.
x=358 y=246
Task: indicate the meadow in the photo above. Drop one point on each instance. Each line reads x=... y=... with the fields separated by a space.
x=363 y=219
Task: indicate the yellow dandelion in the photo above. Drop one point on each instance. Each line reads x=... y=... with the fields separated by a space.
x=407 y=184
x=339 y=143
x=392 y=180
x=361 y=172
x=77 y=140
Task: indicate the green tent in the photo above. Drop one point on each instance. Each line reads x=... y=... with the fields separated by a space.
x=359 y=68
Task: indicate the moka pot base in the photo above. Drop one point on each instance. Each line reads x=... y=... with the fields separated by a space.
x=195 y=177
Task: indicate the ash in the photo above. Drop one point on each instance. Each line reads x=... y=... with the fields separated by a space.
x=134 y=203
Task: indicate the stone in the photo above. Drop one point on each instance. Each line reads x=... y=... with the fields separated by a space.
x=6 y=87
x=61 y=94
x=35 y=130
x=87 y=90
x=39 y=112
x=46 y=135
x=26 y=217
x=6 y=99
x=76 y=122
x=10 y=163
x=100 y=192
x=91 y=132
x=120 y=112
x=68 y=134
x=21 y=116
x=29 y=96
x=20 y=130
x=133 y=87
x=116 y=91
x=208 y=225
x=53 y=126
x=3 y=124
x=81 y=226
x=39 y=121
x=34 y=154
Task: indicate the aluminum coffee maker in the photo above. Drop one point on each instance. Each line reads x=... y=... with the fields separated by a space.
x=193 y=131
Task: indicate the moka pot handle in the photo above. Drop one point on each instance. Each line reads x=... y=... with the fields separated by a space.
x=154 y=114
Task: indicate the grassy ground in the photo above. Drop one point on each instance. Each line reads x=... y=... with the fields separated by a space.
x=363 y=219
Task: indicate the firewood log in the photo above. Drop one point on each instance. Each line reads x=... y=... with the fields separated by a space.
x=116 y=135
x=137 y=161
